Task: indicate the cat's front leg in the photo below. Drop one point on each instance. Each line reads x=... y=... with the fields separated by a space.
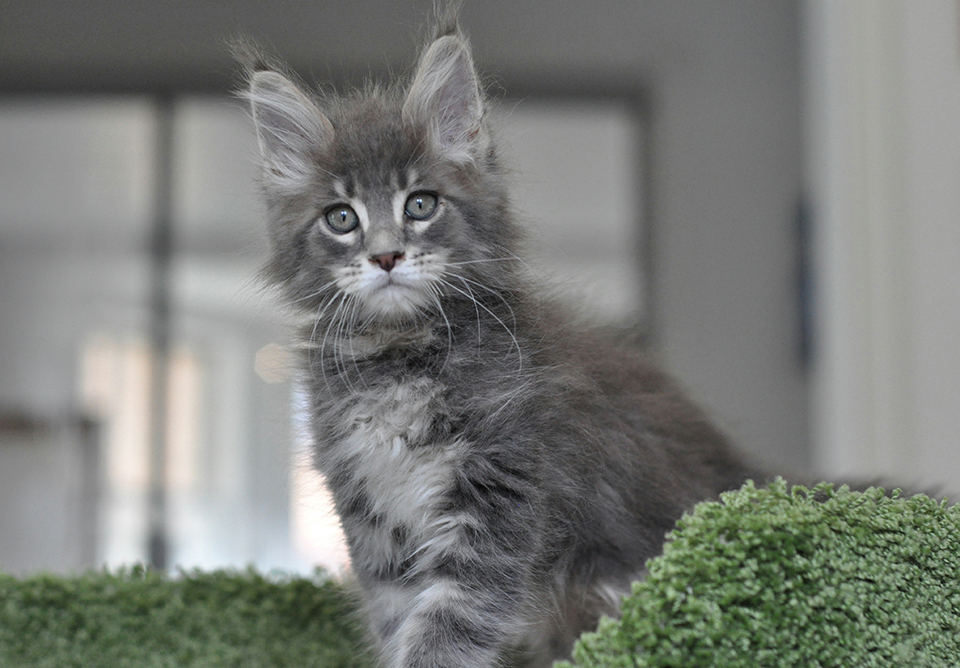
x=466 y=593
x=449 y=625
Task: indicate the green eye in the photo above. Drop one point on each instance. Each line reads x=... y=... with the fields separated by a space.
x=420 y=206
x=342 y=219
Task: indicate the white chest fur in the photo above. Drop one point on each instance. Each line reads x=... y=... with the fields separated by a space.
x=387 y=447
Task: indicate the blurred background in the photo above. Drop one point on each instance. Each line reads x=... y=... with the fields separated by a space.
x=767 y=192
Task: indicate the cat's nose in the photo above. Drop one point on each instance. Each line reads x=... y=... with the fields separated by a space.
x=387 y=261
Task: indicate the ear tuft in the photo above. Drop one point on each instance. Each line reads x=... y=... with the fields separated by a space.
x=446 y=18
x=290 y=127
x=445 y=99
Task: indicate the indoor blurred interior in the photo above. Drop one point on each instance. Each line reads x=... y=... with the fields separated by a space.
x=767 y=193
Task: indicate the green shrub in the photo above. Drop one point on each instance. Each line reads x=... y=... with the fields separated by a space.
x=776 y=577
x=138 y=619
x=768 y=577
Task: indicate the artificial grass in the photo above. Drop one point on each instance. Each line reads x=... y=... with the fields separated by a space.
x=764 y=577
x=139 y=619
x=793 y=577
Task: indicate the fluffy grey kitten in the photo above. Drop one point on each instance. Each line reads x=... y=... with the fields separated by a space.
x=501 y=474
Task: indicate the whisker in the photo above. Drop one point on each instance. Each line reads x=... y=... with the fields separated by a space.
x=436 y=298
x=476 y=308
x=339 y=360
x=510 y=397
x=354 y=331
x=316 y=293
x=493 y=315
x=499 y=296
x=323 y=343
x=463 y=263
x=313 y=334
x=514 y=256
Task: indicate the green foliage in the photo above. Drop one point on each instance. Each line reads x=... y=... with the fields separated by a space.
x=765 y=577
x=793 y=577
x=139 y=619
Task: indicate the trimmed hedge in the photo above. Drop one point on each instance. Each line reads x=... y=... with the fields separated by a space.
x=794 y=577
x=138 y=619
x=764 y=577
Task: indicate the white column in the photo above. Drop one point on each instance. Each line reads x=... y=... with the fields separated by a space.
x=882 y=93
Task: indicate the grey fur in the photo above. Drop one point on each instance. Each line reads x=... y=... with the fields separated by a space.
x=501 y=473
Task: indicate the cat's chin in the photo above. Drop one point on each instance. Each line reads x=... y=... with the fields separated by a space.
x=394 y=303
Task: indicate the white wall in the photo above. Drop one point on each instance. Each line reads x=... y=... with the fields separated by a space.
x=882 y=103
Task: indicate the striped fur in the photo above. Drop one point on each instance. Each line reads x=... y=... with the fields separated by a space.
x=501 y=472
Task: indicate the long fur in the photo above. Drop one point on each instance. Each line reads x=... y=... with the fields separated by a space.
x=501 y=473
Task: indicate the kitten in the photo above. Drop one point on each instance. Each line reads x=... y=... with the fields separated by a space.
x=501 y=474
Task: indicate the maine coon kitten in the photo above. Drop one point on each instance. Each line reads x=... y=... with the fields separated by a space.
x=501 y=474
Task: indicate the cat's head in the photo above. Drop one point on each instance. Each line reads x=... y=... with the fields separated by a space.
x=388 y=199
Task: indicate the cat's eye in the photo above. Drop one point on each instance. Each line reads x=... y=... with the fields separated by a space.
x=341 y=219
x=420 y=206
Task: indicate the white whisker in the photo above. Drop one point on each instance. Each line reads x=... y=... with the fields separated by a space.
x=313 y=335
x=465 y=281
x=354 y=329
x=316 y=293
x=339 y=359
x=476 y=308
x=436 y=298
x=514 y=256
x=323 y=343
x=479 y=303
x=464 y=263
x=511 y=396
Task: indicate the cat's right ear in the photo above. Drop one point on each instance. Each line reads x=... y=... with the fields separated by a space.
x=446 y=100
x=291 y=129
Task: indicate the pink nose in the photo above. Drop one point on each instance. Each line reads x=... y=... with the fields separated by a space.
x=387 y=261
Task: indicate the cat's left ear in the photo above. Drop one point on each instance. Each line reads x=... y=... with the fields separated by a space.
x=445 y=99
